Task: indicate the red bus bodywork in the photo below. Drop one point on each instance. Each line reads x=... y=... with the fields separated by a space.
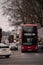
x=29 y=47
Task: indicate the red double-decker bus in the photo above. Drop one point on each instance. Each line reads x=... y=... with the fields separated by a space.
x=29 y=37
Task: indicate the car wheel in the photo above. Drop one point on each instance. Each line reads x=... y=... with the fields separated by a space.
x=7 y=56
x=17 y=49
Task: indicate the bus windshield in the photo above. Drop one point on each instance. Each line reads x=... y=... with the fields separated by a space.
x=29 y=28
x=29 y=36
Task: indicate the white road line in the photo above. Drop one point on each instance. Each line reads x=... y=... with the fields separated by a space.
x=22 y=54
x=36 y=54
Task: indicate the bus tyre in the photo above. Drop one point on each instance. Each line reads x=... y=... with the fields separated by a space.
x=7 y=56
x=36 y=51
x=22 y=51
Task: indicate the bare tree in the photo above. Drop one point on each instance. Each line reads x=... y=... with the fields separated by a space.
x=12 y=9
x=23 y=11
x=33 y=10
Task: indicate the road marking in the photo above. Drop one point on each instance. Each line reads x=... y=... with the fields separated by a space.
x=22 y=54
x=36 y=54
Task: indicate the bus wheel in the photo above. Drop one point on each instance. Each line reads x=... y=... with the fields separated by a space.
x=36 y=51
x=22 y=51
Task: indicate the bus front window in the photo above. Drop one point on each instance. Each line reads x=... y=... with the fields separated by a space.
x=29 y=35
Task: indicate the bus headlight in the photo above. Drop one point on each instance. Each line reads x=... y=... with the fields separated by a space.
x=22 y=47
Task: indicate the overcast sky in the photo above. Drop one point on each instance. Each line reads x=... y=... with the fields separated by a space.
x=4 y=24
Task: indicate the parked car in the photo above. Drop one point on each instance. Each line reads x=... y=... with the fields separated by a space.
x=5 y=50
x=13 y=46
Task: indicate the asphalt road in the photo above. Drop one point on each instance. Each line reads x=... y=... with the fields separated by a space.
x=19 y=58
